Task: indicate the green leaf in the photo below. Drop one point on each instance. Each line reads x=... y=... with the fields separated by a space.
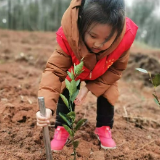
x=75 y=144
x=72 y=115
x=71 y=106
x=72 y=89
x=156 y=99
x=65 y=118
x=78 y=69
x=71 y=75
x=67 y=84
x=156 y=80
x=141 y=70
x=77 y=83
x=75 y=68
x=80 y=123
x=65 y=100
x=68 y=130
x=73 y=97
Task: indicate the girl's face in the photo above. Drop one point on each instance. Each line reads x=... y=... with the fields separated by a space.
x=97 y=37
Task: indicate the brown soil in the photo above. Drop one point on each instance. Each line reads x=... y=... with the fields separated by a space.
x=22 y=58
x=149 y=62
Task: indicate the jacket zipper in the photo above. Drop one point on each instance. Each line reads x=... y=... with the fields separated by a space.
x=90 y=74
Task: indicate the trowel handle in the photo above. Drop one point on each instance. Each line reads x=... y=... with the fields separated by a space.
x=46 y=137
x=42 y=106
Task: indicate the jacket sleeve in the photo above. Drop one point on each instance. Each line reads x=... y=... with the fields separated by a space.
x=53 y=76
x=114 y=73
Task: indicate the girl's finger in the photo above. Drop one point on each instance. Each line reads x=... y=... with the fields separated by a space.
x=76 y=101
x=43 y=122
x=40 y=117
x=80 y=102
x=41 y=125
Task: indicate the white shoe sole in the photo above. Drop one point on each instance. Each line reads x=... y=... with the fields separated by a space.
x=56 y=151
x=107 y=147
x=104 y=146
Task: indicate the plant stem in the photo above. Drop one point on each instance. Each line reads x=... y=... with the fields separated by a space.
x=70 y=105
x=74 y=153
x=152 y=83
x=153 y=86
x=74 y=149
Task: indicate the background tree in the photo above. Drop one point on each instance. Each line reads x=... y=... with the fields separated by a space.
x=145 y=14
x=46 y=16
x=32 y=14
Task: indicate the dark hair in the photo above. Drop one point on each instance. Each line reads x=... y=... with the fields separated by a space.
x=111 y=12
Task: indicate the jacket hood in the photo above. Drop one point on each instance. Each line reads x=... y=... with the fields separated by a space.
x=70 y=28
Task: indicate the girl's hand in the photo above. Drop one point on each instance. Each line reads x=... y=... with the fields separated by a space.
x=43 y=121
x=81 y=96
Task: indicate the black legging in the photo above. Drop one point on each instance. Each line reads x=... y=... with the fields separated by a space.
x=105 y=111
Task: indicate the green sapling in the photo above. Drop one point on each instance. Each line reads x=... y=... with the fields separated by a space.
x=69 y=118
x=155 y=82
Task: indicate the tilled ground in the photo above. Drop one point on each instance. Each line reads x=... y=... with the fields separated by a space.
x=22 y=58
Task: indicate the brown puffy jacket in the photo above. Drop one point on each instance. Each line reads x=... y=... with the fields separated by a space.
x=51 y=84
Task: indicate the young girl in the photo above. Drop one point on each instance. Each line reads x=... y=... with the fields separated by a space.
x=98 y=32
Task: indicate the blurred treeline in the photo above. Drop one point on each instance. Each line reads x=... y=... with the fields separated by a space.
x=46 y=15
x=32 y=15
x=146 y=14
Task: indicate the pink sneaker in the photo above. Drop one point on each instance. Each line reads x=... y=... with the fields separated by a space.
x=104 y=135
x=60 y=138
